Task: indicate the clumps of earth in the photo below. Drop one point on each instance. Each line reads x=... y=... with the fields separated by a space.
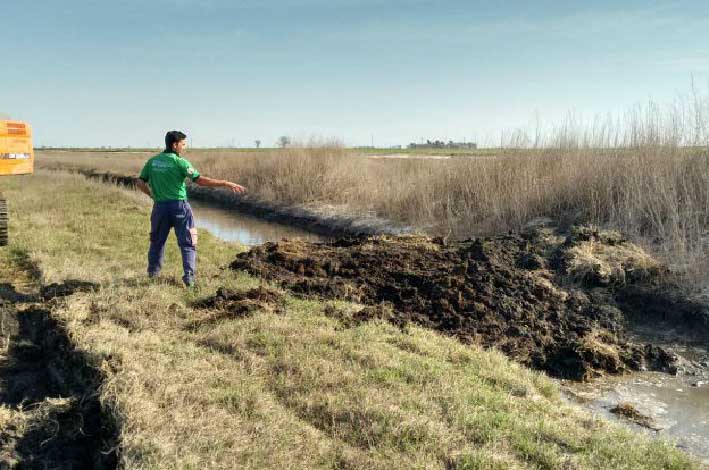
x=67 y=288
x=351 y=318
x=546 y=299
x=231 y=304
x=629 y=412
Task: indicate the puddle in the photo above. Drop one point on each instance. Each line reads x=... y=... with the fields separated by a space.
x=235 y=226
x=677 y=406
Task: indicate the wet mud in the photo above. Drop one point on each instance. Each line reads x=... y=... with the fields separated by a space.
x=52 y=390
x=554 y=302
x=629 y=412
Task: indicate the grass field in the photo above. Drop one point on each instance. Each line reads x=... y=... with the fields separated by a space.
x=296 y=389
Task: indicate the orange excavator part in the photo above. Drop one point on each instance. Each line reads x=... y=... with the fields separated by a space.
x=16 y=158
x=16 y=151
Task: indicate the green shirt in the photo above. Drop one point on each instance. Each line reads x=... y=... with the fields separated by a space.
x=166 y=175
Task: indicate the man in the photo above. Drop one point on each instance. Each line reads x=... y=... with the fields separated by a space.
x=163 y=179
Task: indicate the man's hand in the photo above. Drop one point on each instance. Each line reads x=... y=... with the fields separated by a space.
x=214 y=183
x=143 y=187
x=235 y=188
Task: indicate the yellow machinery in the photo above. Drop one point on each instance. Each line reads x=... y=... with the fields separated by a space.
x=16 y=158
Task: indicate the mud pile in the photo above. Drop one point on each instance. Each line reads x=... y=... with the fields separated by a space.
x=67 y=288
x=534 y=297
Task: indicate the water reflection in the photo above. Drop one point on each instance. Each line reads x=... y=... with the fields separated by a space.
x=234 y=226
x=677 y=406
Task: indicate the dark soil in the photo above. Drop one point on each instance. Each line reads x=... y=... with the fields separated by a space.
x=510 y=292
x=67 y=288
x=41 y=364
x=228 y=304
x=371 y=312
x=112 y=178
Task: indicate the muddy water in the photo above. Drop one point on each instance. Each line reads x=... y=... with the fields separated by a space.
x=234 y=226
x=678 y=406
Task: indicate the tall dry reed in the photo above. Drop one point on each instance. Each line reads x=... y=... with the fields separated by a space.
x=653 y=191
x=645 y=173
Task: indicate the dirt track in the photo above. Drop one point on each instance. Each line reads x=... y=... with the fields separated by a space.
x=516 y=293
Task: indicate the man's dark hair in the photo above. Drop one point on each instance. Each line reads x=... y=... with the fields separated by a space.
x=172 y=137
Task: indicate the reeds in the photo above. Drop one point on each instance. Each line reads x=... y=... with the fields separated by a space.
x=652 y=191
x=645 y=173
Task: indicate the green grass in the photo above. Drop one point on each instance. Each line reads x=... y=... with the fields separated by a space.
x=292 y=390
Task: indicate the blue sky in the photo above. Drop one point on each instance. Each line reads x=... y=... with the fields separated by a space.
x=120 y=73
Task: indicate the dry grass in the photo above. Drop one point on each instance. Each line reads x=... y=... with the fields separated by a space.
x=295 y=390
x=645 y=173
x=592 y=260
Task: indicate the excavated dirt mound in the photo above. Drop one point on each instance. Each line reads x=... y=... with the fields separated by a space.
x=514 y=293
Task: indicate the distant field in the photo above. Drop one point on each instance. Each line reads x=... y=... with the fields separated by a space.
x=353 y=150
x=81 y=157
x=425 y=151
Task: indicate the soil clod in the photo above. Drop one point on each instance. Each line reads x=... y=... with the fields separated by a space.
x=629 y=412
x=228 y=303
x=67 y=288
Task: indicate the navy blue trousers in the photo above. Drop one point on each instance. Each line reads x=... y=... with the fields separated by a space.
x=166 y=215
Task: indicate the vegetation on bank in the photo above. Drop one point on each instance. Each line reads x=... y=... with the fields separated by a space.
x=290 y=389
x=655 y=194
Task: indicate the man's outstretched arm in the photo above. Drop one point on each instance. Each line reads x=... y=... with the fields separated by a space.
x=215 y=183
x=143 y=187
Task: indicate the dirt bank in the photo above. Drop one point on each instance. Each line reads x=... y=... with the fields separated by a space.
x=319 y=219
x=547 y=300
